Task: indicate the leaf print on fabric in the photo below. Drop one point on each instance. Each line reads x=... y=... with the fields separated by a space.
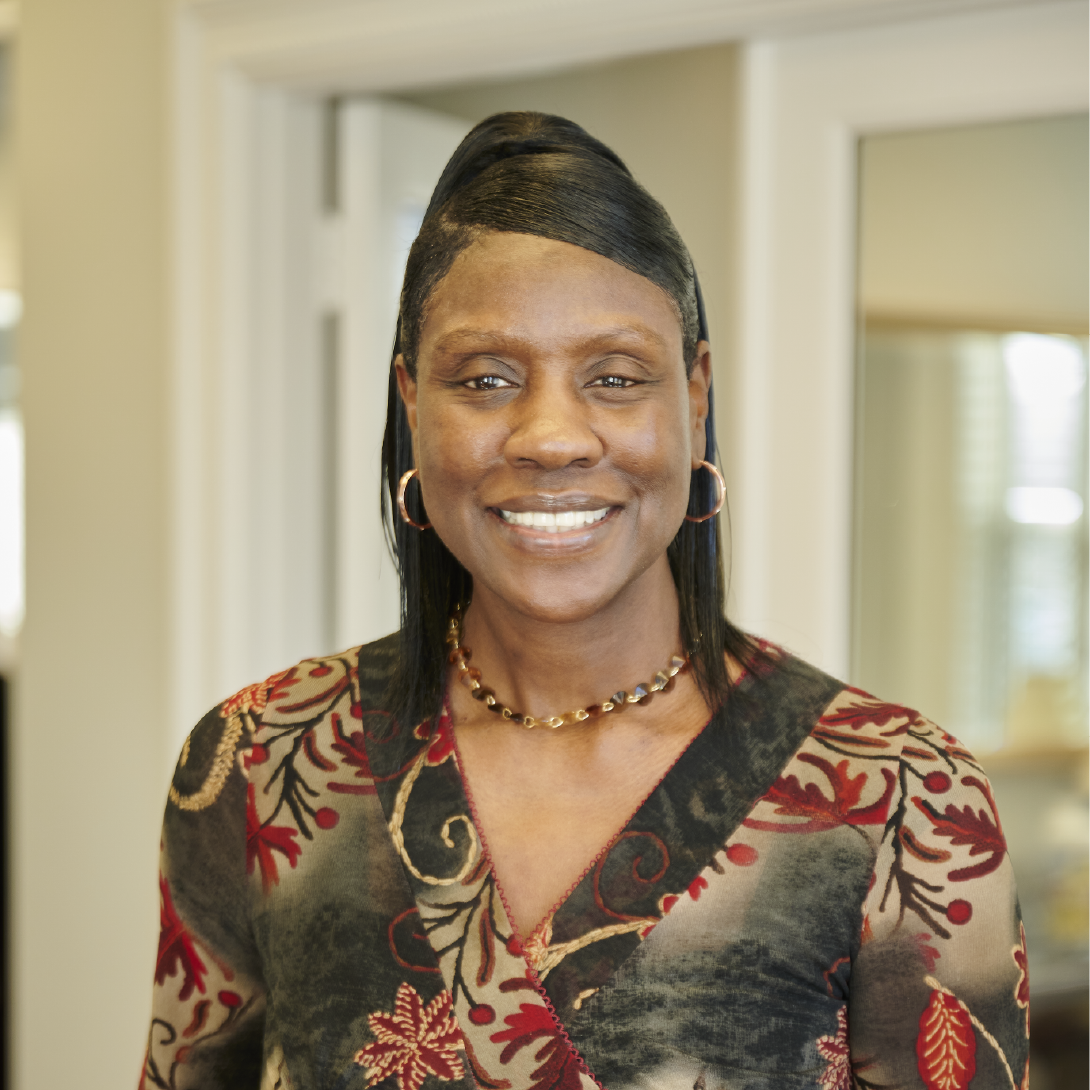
x=176 y=949
x=836 y=1052
x=353 y=754
x=442 y=741
x=792 y=799
x=924 y=852
x=315 y=755
x=965 y=826
x=413 y=1042
x=559 y=1069
x=170 y=1048
x=869 y=711
x=255 y=698
x=946 y=1044
x=294 y=744
x=263 y=840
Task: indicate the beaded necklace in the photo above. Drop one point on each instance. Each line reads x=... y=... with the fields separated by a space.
x=470 y=676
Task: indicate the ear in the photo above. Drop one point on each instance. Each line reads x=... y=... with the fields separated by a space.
x=406 y=386
x=700 y=382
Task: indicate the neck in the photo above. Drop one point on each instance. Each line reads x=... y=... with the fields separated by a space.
x=543 y=667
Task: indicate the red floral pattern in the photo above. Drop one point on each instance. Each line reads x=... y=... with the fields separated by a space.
x=869 y=775
x=946 y=1044
x=978 y=829
x=413 y=1042
x=792 y=799
x=176 y=949
x=255 y=698
x=442 y=739
x=559 y=1069
x=263 y=840
x=836 y=1053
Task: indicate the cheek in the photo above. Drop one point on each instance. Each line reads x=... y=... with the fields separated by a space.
x=452 y=453
x=656 y=455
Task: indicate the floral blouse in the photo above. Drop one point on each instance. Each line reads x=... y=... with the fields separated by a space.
x=816 y=895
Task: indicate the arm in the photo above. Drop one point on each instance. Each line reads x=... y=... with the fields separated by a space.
x=208 y=1007
x=939 y=994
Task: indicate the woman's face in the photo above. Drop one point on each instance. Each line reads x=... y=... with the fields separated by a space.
x=553 y=424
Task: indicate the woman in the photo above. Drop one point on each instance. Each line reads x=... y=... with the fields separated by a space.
x=569 y=827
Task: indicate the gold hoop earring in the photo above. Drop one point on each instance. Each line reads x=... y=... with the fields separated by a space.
x=721 y=485
x=401 y=488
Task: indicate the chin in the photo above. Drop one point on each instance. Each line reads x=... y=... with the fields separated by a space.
x=559 y=598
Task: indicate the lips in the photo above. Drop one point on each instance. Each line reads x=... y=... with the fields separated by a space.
x=553 y=522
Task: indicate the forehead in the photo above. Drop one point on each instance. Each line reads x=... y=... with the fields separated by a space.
x=526 y=286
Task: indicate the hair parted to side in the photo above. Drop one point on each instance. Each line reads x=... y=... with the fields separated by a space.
x=536 y=174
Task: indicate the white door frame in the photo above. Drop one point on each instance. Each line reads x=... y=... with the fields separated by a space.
x=806 y=103
x=246 y=78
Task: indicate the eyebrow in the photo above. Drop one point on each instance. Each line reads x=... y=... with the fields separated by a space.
x=461 y=340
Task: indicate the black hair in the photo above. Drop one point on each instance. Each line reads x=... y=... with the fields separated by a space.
x=536 y=174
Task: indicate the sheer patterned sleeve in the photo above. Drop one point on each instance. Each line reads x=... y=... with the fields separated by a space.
x=208 y=1008
x=940 y=991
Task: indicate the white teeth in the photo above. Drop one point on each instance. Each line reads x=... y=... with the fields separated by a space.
x=554 y=522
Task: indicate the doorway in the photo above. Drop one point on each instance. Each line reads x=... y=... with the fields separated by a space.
x=970 y=594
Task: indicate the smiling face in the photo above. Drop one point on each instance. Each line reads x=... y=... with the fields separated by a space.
x=554 y=426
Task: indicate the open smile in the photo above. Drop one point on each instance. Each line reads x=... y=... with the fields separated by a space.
x=553 y=522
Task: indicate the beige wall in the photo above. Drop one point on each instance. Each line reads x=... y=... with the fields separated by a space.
x=88 y=788
x=9 y=232
x=674 y=119
x=985 y=224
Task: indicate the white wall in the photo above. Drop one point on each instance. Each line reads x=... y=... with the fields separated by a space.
x=9 y=232
x=91 y=712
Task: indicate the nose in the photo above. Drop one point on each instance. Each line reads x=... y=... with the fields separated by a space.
x=552 y=430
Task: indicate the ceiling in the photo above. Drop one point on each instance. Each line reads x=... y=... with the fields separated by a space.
x=329 y=45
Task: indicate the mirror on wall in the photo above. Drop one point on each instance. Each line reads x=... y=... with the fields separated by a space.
x=970 y=573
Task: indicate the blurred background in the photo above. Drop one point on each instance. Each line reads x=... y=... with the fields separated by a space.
x=205 y=209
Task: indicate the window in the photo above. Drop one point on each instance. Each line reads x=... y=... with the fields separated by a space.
x=971 y=575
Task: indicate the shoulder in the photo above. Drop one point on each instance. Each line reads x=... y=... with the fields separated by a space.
x=361 y=671
x=837 y=711
x=844 y=739
x=859 y=722
x=224 y=737
x=358 y=676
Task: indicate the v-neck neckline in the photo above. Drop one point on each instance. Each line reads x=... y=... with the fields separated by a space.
x=630 y=887
x=528 y=943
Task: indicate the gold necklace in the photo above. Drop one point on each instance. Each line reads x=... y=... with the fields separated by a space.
x=470 y=676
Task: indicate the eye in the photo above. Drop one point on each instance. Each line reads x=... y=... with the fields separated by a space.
x=487 y=382
x=614 y=382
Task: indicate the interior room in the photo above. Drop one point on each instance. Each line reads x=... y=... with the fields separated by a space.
x=205 y=211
